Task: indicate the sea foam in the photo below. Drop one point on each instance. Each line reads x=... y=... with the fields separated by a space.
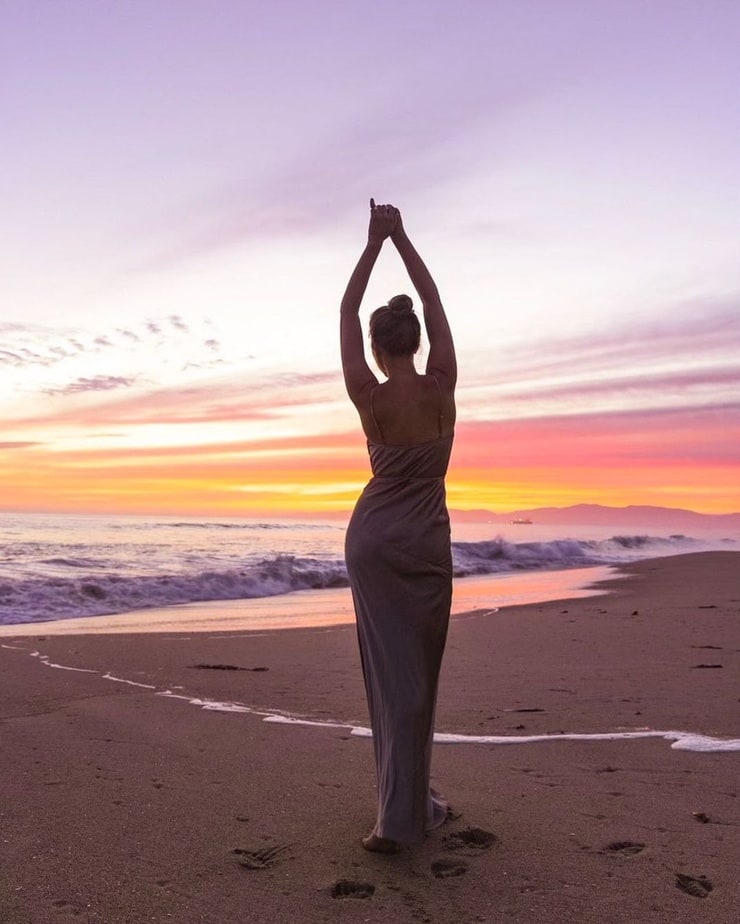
x=681 y=740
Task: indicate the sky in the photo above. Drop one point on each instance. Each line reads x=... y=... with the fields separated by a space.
x=185 y=192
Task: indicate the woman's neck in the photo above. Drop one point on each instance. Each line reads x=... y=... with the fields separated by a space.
x=399 y=367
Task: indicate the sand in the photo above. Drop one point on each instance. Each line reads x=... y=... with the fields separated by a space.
x=120 y=804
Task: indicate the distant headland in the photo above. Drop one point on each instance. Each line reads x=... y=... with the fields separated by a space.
x=599 y=515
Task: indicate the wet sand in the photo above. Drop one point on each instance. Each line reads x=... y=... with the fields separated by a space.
x=121 y=804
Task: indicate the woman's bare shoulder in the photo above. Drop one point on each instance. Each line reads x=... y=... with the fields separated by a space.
x=440 y=383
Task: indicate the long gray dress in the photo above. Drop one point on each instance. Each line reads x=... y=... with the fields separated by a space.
x=399 y=562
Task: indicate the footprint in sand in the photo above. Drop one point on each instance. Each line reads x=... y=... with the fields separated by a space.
x=349 y=888
x=446 y=869
x=698 y=886
x=475 y=838
x=66 y=907
x=624 y=848
x=260 y=859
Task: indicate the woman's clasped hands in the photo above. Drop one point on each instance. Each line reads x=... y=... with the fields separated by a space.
x=384 y=220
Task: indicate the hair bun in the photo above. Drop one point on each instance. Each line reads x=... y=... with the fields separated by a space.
x=401 y=303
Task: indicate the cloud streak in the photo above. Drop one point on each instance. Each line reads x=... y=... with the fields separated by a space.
x=298 y=195
x=685 y=357
x=248 y=398
x=682 y=387
x=96 y=383
x=695 y=332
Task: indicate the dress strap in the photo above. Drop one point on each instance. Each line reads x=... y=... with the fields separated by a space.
x=372 y=412
x=439 y=394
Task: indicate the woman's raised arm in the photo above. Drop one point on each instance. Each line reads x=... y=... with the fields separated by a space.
x=441 y=362
x=357 y=374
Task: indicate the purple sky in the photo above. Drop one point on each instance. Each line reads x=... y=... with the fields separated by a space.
x=185 y=188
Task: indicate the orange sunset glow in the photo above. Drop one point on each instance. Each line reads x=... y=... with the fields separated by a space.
x=497 y=466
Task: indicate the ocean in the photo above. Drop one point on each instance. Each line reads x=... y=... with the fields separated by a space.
x=59 y=567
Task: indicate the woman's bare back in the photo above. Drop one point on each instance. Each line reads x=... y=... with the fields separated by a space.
x=407 y=410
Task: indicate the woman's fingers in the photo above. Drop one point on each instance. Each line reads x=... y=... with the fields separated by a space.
x=384 y=219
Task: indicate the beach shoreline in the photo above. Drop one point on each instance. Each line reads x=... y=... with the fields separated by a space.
x=127 y=789
x=321 y=608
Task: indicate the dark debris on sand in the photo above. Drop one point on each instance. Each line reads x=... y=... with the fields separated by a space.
x=226 y=667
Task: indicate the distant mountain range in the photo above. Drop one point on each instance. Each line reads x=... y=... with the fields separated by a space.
x=598 y=515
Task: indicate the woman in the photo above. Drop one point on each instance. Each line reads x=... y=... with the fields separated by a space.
x=398 y=540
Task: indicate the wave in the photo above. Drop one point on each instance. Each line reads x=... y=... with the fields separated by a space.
x=499 y=555
x=72 y=562
x=42 y=597
x=39 y=599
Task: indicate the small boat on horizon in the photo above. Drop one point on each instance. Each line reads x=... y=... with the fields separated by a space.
x=522 y=521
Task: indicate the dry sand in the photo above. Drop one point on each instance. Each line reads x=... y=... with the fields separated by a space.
x=120 y=805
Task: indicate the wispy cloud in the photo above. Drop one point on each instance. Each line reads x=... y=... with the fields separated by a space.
x=414 y=151
x=684 y=357
x=128 y=334
x=695 y=331
x=177 y=322
x=25 y=346
x=12 y=359
x=685 y=386
x=96 y=383
x=239 y=399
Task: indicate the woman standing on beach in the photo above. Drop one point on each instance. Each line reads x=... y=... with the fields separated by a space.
x=398 y=540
